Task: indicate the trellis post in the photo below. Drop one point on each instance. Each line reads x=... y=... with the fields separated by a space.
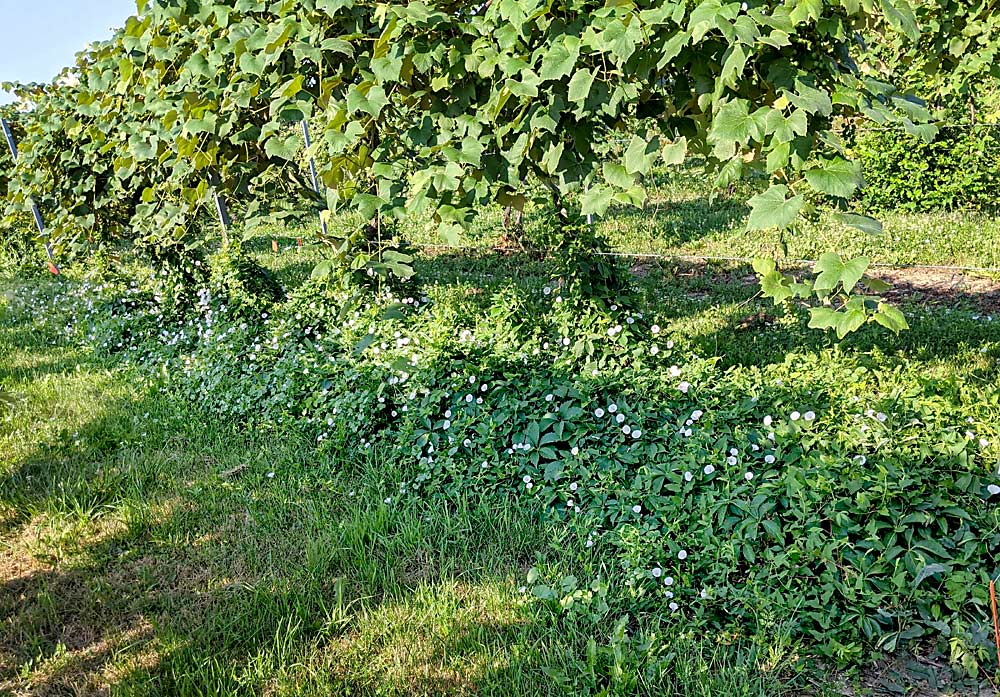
x=312 y=172
x=35 y=211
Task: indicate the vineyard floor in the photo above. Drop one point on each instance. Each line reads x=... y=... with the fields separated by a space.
x=178 y=555
x=149 y=547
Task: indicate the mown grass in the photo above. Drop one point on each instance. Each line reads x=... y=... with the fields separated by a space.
x=682 y=217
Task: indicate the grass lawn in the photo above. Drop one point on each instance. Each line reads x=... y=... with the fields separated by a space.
x=154 y=543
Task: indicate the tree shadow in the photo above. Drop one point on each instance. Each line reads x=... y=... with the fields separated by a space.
x=209 y=577
x=720 y=313
x=944 y=322
x=177 y=573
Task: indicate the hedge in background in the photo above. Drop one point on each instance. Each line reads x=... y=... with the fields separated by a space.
x=960 y=168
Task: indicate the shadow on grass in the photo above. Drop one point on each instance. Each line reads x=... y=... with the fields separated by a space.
x=171 y=563
x=177 y=565
x=717 y=309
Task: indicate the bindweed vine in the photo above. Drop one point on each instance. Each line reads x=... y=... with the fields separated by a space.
x=850 y=514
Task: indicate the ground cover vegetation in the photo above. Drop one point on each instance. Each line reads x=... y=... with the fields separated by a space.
x=350 y=462
x=776 y=497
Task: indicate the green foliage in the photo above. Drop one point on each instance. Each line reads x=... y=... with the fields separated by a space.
x=957 y=169
x=950 y=60
x=8 y=401
x=242 y=280
x=848 y=512
x=841 y=309
x=435 y=109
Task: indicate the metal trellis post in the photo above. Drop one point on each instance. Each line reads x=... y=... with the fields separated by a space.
x=35 y=211
x=312 y=171
x=221 y=209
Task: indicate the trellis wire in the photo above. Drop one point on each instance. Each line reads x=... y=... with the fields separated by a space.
x=698 y=257
x=224 y=217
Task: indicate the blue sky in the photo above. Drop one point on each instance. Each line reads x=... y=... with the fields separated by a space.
x=38 y=38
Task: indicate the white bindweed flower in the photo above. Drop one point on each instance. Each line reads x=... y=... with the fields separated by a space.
x=731 y=460
x=769 y=459
x=796 y=416
x=574 y=450
x=637 y=433
x=809 y=415
x=993 y=489
x=684 y=387
x=682 y=555
x=767 y=421
x=709 y=469
x=655 y=329
x=654 y=350
x=675 y=371
x=549 y=397
x=668 y=581
x=637 y=508
x=620 y=418
x=983 y=442
x=574 y=486
x=688 y=476
x=674 y=607
x=526 y=479
x=626 y=429
x=612 y=408
x=881 y=417
x=657 y=572
x=697 y=414
x=748 y=476
x=598 y=412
